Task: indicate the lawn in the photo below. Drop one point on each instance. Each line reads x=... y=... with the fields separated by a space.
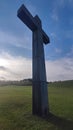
x=16 y=109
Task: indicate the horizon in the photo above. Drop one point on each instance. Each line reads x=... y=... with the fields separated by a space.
x=31 y=79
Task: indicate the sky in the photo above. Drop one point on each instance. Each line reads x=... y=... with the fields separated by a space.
x=16 y=39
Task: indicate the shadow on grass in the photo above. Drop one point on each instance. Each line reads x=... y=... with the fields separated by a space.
x=60 y=122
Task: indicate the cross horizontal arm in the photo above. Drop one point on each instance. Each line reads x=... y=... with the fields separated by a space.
x=28 y=19
x=45 y=38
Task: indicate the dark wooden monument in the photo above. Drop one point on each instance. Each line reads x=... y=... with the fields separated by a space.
x=39 y=89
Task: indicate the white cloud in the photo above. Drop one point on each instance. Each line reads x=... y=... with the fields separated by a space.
x=56 y=6
x=61 y=69
x=70 y=54
x=17 y=68
x=8 y=38
x=57 y=50
x=55 y=15
x=53 y=34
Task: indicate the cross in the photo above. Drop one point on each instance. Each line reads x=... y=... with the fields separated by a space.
x=40 y=105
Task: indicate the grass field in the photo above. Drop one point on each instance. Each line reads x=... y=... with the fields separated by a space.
x=16 y=109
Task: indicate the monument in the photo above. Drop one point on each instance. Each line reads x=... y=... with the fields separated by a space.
x=40 y=105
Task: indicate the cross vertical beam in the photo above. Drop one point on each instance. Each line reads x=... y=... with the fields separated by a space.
x=40 y=91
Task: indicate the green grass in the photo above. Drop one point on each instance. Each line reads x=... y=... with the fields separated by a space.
x=16 y=109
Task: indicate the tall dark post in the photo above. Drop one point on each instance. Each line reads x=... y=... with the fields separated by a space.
x=39 y=89
x=40 y=92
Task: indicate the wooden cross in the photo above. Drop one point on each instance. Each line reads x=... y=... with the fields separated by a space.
x=39 y=88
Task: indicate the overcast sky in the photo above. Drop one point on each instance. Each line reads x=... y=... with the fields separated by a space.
x=16 y=39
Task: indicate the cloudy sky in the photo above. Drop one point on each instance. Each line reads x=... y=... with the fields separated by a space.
x=16 y=39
